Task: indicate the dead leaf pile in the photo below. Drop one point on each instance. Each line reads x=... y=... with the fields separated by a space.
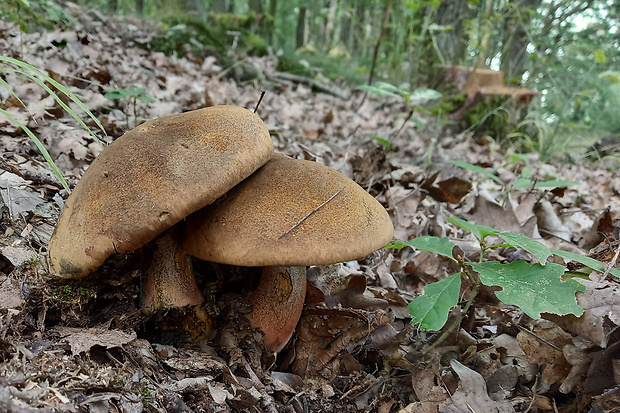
x=84 y=346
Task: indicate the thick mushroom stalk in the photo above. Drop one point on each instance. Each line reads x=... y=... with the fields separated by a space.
x=167 y=276
x=287 y=213
x=277 y=303
x=147 y=181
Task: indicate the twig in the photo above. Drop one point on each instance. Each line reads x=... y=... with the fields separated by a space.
x=456 y=323
x=612 y=263
x=310 y=213
x=332 y=90
x=525 y=330
x=260 y=99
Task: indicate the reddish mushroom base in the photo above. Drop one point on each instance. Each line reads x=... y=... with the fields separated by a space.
x=277 y=304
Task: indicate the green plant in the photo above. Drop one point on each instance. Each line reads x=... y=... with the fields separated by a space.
x=30 y=263
x=41 y=78
x=31 y=14
x=133 y=93
x=412 y=100
x=527 y=179
x=535 y=288
x=70 y=293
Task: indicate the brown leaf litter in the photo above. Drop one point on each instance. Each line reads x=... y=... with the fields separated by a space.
x=84 y=346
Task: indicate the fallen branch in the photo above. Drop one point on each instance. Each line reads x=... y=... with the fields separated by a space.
x=332 y=90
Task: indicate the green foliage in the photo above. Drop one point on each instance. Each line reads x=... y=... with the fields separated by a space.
x=30 y=264
x=412 y=101
x=526 y=181
x=133 y=93
x=37 y=76
x=475 y=168
x=421 y=95
x=72 y=294
x=440 y=246
x=34 y=14
x=535 y=288
x=207 y=38
x=431 y=310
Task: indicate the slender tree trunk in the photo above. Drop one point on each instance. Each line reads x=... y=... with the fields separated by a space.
x=515 y=42
x=301 y=26
x=271 y=22
x=113 y=5
x=345 y=26
x=330 y=25
x=221 y=6
x=256 y=6
x=195 y=8
x=140 y=7
x=453 y=43
x=388 y=9
x=358 y=28
x=487 y=28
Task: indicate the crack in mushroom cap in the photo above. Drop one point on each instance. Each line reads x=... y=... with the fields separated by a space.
x=151 y=178
x=245 y=227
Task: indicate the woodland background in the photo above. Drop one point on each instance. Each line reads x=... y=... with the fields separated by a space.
x=351 y=84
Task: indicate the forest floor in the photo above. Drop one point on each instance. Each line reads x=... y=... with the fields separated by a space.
x=85 y=346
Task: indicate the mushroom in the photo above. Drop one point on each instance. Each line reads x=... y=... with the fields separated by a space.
x=287 y=215
x=147 y=181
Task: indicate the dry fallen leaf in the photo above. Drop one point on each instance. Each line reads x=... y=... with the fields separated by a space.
x=83 y=339
x=471 y=394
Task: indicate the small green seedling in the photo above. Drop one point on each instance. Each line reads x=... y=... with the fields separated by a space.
x=411 y=99
x=133 y=93
x=535 y=288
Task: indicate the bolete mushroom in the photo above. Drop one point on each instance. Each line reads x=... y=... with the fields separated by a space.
x=287 y=215
x=147 y=181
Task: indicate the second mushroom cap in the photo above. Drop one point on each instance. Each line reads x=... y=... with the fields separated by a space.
x=289 y=212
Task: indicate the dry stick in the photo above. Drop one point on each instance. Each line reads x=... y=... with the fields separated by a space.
x=388 y=9
x=260 y=99
x=310 y=213
x=612 y=263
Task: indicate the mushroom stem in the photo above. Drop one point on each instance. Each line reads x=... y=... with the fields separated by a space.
x=277 y=303
x=167 y=276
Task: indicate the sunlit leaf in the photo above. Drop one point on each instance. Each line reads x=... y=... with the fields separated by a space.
x=431 y=310
x=534 y=288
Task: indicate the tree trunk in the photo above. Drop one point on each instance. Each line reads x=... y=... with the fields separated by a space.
x=221 y=6
x=271 y=21
x=487 y=28
x=195 y=8
x=514 y=53
x=453 y=43
x=140 y=7
x=330 y=25
x=358 y=28
x=113 y=5
x=301 y=27
x=345 y=26
x=256 y=6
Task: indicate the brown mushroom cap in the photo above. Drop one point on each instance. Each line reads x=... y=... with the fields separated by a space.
x=151 y=178
x=256 y=223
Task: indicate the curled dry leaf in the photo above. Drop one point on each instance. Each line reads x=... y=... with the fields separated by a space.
x=83 y=339
x=323 y=333
x=471 y=394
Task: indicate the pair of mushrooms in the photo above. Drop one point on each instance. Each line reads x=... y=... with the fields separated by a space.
x=243 y=205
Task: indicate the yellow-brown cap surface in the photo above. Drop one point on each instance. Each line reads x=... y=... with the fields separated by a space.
x=151 y=178
x=255 y=223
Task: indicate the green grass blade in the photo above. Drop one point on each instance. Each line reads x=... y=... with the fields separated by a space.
x=7 y=87
x=58 y=100
x=41 y=148
x=61 y=88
